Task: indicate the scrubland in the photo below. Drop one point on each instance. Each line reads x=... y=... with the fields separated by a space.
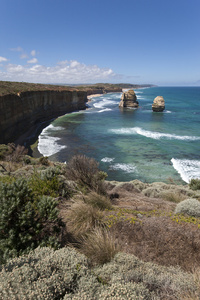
x=67 y=233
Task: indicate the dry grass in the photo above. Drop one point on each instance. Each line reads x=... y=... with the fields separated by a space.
x=100 y=246
x=83 y=218
x=173 y=197
x=160 y=240
x=193 y=295
x=98 y=201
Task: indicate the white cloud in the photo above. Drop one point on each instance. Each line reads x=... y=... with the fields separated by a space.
x=32 y=61
x=18 y=49
x=23 y=56
x=3 y=59
x=33 y=52
x=63 y=72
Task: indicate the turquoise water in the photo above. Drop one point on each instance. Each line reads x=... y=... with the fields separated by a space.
x=133 y=143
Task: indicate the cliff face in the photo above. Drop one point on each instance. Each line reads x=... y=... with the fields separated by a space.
x=19 y=113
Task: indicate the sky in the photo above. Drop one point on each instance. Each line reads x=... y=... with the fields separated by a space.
x=92 y=41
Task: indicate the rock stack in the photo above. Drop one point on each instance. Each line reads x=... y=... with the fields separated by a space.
x=129 y=99
x=158 y=104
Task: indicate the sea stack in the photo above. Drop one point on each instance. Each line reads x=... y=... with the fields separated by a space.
x=129 y=99
x=158 y=104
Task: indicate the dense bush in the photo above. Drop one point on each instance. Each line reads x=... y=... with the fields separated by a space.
x=166 y=282
x=84 y=170
x=45 y=183
x=47 y=274
x=26 y=220
x=190 y=206
x=43 y=274
x=194 y=184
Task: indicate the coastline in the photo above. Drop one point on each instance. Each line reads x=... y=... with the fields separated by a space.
x=94 y=95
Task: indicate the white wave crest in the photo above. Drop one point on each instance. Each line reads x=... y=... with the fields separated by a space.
x=153 y=134
x=103 y=103
x=188 y=169
x=105 y=109
x=128 y=168
x=47 y=145
x=107 y=159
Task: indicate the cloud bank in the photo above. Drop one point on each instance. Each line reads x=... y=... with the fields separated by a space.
x=63 y=72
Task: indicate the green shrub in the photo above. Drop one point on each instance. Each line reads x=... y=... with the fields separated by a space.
x=190 y=206
x=44 y=161
x=99 y=201
x=45 y=183
x=26 y=221
x=4 y=149
x=194 y=184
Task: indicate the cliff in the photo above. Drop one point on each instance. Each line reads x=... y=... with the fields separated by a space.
x=24 y=106
x=19 y=113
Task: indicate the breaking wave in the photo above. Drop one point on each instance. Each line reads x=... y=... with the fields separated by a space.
x=153 y=134
x=188 y=169
x=128 y=168
x=48 y=145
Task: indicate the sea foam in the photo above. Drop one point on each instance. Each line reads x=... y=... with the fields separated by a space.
x=188 y=169
x=48 y=145
x=107 y=159
x=128 y=168
x=153 y=134
x=103 y=103
x=105 y=109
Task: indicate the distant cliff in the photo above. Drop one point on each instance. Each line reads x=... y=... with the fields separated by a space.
x=22 y=111
x=24 y=106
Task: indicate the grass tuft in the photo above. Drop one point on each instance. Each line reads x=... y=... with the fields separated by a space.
x=83 y=218
x=98 y=201
x=100 y=246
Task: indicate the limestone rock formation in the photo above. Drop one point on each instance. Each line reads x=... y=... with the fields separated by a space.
x=129 y=99
x=158 y=104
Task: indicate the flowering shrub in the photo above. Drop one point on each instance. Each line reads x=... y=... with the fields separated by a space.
x=49 y=274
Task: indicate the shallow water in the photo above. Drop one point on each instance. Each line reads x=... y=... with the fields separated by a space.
x=133 y=143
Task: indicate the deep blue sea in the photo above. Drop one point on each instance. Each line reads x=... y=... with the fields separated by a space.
x=133 y=143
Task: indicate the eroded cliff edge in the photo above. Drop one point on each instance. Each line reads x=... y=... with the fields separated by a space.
x=21 y=113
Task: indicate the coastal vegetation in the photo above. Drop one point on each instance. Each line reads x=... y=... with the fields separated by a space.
x=67 y=233
x=8 y=87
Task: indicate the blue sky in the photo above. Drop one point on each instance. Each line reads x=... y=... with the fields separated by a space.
x=88 y=41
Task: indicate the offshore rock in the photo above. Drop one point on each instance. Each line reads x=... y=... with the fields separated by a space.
x=129 y=99
x=158 y=104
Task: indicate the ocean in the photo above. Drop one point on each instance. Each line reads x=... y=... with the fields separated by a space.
x=133 y=143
